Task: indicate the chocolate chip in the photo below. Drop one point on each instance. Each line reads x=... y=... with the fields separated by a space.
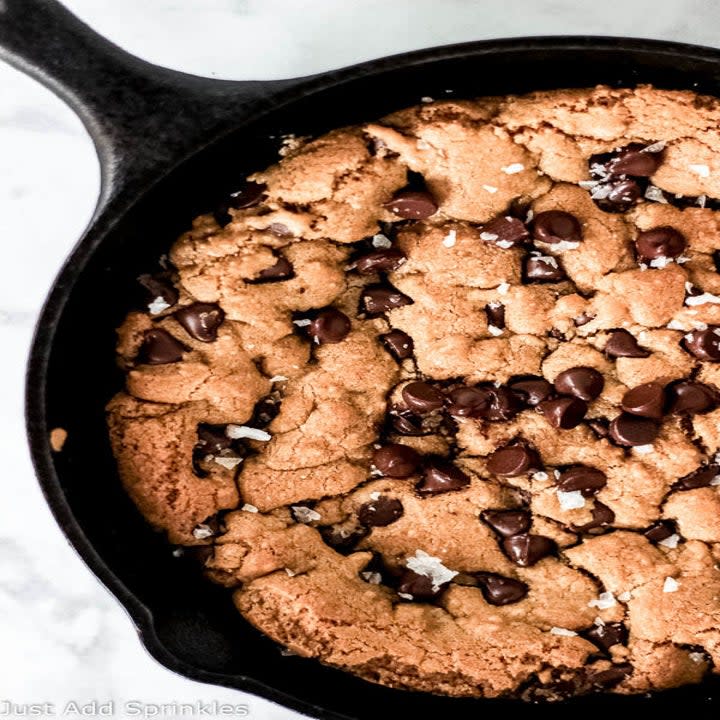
x=212 y=439
x=659 y=531
x=248 y=195
x=619 y=195
x=342 y=540
x=621 y=343
x=612 y=676
x=602 y=516
x=702 y=477
x=280 y=230
x=412 y=204
x=380 y=512
x=495 y=313
x=660 y=242
x=441 y=476
x=692 y=397
x=201 y=320
x=583 y=319
x=330 y=326
x=599 y=426
x=504 y=231
x=398 y=344
x=541 y=268
x=281 y=270
x=467 y=402
x=422 y=397
x=396 y=461
x=588 y=480
x=704 y=344
x=646 y=400
x=555 y=226
x=507 y=522
x=526 y=550
x=582 y=382
x=378 y=299
x=513 y=460
x=631 y=430
x=500 y=590
x=607 y=635
x=632 y=160
x=494 y=404
x=532 y=390
x=419 y=586
x=159 y=347
x=563 y=413
x=407 y=423
x=383 y=260
x=159 y=287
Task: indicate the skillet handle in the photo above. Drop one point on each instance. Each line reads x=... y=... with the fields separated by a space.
x=143 y=118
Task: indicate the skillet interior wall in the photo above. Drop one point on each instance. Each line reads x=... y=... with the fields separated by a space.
x=194 y=620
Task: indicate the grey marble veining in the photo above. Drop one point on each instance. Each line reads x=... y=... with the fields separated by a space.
x=64 y=638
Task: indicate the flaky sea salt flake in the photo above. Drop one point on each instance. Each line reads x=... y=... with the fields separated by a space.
x=513 y=168
x=488 y=236
x=247 y=507
x=703 y=299
x=278 y=378
x=202 y=532
x=644 y=449
x=158 y=305
x=450 y=239
x=431 y=567
x=490 y=188
x=374 y=578
x=495 y=331
x=381 y=241
x=302 y=322
x=670 y=542
x=655 y=194
x=237 y=432
x=228 y=462
x=700 y=169
x=563 y=632
x=670 y=585
x=603 y=601
x=305 y=514
x=573 y=500
x=503 y=288
x=655 y=147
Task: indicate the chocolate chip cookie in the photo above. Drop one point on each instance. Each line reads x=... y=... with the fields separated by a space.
x=438 y=397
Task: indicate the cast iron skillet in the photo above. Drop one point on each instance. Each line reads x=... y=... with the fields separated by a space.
x=170 y=146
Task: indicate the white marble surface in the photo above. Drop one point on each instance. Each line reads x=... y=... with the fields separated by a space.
x=63 y=637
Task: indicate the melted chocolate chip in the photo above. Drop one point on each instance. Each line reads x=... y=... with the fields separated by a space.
x=563 y=413
x=344 y=541
x=330 y=326
x=495 y=313
x=607 y=635
x=582 y=382
x=201 y=320
x=487 y=402
x=612 y=676
x=281 y=270
x=467 y=402
x=618 y=195
x=513 y=460
x=541 y=268
x=159 y=347
x=555 y=226
x=702 y=477
x=660 y=242
x=633 y=160
x=250 y=194
x=382 y=260
x=405 y=422
x=159 y=287
x=631 y=430
x=692 y=397
x=396 y=461
x=441 y=476
x=622 y=344
x=646 y=400
x=532 y=390
x=380 y=512
x=704 y=344
x=378 y=299
x=412 y=204
x=398 y=344
x=526 y=550
x=660 y=530
x=504 y=231
x=508 y=522
x=500 y=590
x=422 y=397
x=588 y=480
x=419 y=586
x=602 y=516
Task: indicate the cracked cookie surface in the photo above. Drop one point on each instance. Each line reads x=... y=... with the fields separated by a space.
x=438 y=397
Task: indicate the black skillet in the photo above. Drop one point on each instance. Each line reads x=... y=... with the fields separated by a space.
x=172 y=145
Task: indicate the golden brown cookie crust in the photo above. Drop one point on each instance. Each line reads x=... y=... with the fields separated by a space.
x=252 y=419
